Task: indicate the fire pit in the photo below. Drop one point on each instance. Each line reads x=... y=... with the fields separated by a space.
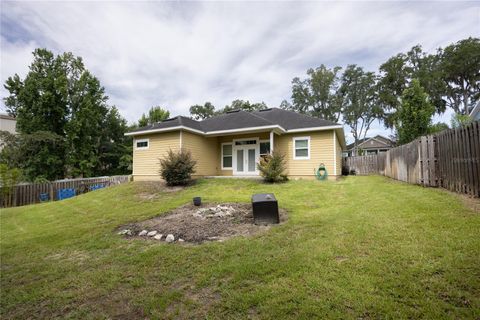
x=265 y=208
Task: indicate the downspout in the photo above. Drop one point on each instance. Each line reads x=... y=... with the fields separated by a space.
x=271 y=141
x=181 y=139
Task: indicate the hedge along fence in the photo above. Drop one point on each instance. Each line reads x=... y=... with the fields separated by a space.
x=25 y=194
x=449 y=159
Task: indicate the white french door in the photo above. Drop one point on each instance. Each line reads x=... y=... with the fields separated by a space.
x=245 y=160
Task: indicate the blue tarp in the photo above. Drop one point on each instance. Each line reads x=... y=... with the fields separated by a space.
x=43 y=197
x=65 y=193
x=96 y=187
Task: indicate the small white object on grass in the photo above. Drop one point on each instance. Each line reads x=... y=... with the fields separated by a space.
x=170 y=238
x=152 y=233
x=143 y=233
x=158 y=236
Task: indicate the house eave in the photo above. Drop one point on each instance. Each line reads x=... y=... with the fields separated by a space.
x=150 y=131
x=315 y=129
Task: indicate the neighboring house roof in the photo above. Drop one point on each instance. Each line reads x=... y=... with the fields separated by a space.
x=475 y=114
x=7 y=123
x=279 y=120
x=373 y=142
x=6 y=116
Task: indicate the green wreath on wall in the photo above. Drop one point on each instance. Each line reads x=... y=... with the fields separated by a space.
x=321 y=173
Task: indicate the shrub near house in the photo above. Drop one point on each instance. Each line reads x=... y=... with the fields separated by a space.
x=177 y=167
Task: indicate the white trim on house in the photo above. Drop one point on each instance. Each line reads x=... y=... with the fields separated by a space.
x=142 y=140
x=271 y=141
x=245 y=149
x=221 y=155
x=135 y=133
x=263 y=141
x=334 y=153
x=181 y=139
x=315 y=129
x=294 y=139
x=233 y=131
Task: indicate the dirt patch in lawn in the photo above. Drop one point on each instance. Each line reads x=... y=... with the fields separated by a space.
x=149 y=190
x=208 y=222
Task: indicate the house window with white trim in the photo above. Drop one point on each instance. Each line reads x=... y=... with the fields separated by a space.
x=227 y=156
x=141 y=144
x=264 y=148
x=301 y=148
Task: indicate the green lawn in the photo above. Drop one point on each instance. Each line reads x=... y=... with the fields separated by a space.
x=363 y=247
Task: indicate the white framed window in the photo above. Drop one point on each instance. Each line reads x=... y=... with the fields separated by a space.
x=227 y=156
x=142 y=144
x=264 y=147
x=301 y=148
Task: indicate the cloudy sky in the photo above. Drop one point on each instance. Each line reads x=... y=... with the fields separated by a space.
x=176 y=54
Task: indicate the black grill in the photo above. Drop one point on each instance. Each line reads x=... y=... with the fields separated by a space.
x=265 y=208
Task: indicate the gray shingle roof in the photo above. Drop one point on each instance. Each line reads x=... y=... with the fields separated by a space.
x=292 y=120
x=240 y=120
x=235 y=120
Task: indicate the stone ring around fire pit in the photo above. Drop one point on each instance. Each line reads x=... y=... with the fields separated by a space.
x=198 y=224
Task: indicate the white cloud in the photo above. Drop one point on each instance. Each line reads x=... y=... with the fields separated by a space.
x=177 y=54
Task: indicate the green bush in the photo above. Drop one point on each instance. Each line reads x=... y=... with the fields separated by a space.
x=9 y=178
x=177 y=167
x=272 y=167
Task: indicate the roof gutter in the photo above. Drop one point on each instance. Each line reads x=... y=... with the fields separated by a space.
x=137 y=133
x=315 y=128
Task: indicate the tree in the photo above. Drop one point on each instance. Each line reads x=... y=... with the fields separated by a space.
x=40 y=101
x=359 y=101
x=88 y=113
x=40 y=154
x=9 y=149
x=244 y=105
x=415 y=113
x=116 y=148
x=459 y=120
x=437 y=127
x=460 y=70
x=317 y=94
x=155 y=114
x=397 y=73
x=9 y=178
x=62 y=113
x=199 y=112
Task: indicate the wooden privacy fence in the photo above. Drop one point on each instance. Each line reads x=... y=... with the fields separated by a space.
x=449 y=159
x=24 y=194
x=364 y=165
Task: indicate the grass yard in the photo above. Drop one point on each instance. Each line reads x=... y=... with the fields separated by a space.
x=363 y=247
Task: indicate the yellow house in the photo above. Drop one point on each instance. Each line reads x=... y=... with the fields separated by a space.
x=231 y=144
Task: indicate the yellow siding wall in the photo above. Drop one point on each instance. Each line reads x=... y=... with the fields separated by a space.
x=204 y=151
x=146 y=162
x=321 y=151
x=224 y=139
